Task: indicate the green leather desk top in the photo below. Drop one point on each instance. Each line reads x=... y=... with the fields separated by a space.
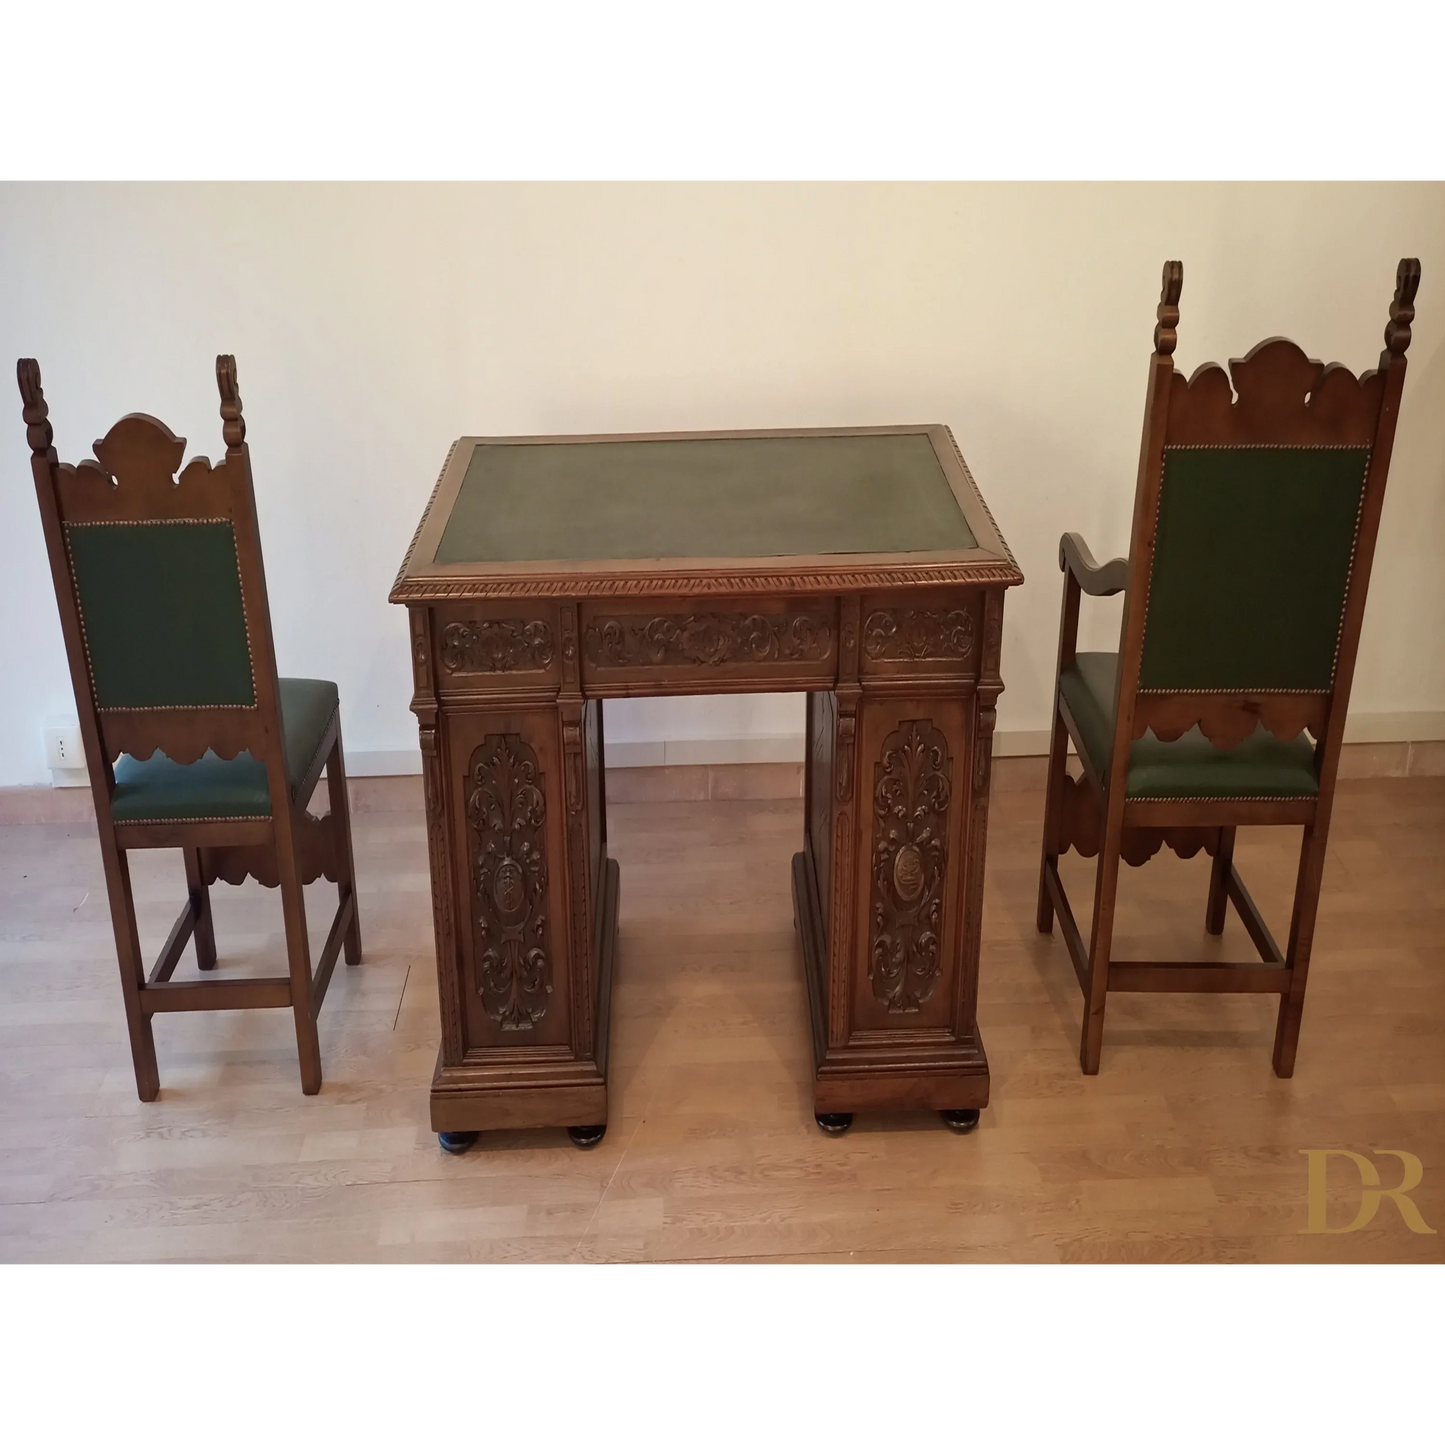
x=809 y=510
x=714 y=497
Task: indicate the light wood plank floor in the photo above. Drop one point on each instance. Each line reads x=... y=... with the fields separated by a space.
x=1185 y=1147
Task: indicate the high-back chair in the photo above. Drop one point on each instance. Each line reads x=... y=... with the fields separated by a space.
x=1254 y=528
x=191 y=739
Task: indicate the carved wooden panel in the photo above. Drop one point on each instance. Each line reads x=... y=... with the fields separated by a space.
x=184 y=735
x=909 y=634
x=936 y=633
x=506 y=818
x=496 y=645
x=485 y=648
x=315 y=851
x=138 y=473
x=912 y=794
x=1228 y=718
x=708 y=639
x=1081 y=827
x=1278 y=396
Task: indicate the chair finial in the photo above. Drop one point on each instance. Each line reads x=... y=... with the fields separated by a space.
x=1168 y=313
x=1402 y=309
x=36 y=412
x=233 y=424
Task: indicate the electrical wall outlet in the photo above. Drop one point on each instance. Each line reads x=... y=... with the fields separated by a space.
x=64 y=752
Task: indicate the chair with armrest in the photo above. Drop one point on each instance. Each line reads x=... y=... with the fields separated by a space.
x=1255 y=518
x=191 y=739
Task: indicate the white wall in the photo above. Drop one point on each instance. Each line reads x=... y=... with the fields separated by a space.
x=373 y=324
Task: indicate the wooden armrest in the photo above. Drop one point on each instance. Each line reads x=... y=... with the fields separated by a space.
x=1097 y=581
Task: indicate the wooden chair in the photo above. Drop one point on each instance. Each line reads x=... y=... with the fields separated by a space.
x=191 y=739
x=1255 y=518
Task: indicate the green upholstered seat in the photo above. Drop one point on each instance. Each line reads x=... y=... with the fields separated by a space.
x=162 y=790
x=1191 y=766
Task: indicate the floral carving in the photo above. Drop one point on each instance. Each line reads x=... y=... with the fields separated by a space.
x=918 y=635
x=911 y=797
x=496 y=646
x=507 y=811
x=709 y=639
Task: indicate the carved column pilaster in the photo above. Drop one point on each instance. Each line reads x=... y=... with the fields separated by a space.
x=424 y=705
x=990 y=684
x=845 y=766
x=579 y=902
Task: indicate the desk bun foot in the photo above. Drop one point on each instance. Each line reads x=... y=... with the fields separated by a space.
x=586 y=1136
x=458 y=1141
x=961 y=1121
x=834 y=1123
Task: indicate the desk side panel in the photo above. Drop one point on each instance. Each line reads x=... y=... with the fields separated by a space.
x=507 y=824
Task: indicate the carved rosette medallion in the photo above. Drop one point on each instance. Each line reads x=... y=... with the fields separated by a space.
x=496 y=646
x=506 y=811
x=709 y=639
x=907 y=634
x=911 y=797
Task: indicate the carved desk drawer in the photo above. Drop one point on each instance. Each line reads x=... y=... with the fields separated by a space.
x=921 y=634
x=483 y=646
x=660 y=646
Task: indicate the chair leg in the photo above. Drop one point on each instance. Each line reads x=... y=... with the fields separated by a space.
x=132 y=970
x=1218 y=903
x=1053 y=810
x=298 y=954
x=341 y=840
x=1101 y=937
x=1301 y=940
x=205 y=933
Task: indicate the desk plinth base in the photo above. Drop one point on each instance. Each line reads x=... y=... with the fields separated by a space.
x=854 y=1079
x=471 y=1097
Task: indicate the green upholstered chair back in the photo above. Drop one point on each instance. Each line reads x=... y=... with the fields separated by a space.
x=160 y=606
x=1252 y=554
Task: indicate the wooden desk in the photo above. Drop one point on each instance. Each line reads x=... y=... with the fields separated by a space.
x=860 y=566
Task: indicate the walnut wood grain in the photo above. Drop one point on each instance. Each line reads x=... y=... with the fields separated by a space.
x=317 y=856
x=1227 y=718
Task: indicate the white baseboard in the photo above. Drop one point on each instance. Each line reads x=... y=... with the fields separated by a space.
x=768 y=748
x=398 y=762
x=1022 y=743
x=1395 y=727
x=1376 y=727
